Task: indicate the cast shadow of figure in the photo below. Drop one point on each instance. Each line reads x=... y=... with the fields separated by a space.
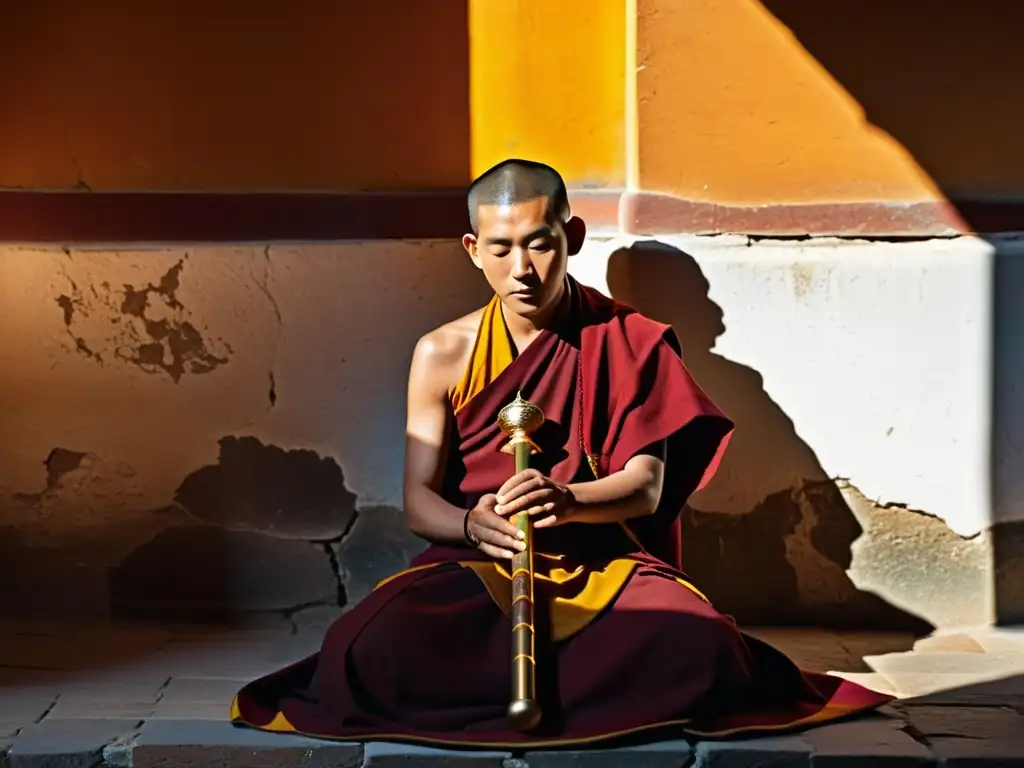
x=774 y=543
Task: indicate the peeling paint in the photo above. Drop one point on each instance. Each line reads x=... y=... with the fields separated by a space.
x=60 y=462
x=147 y=327
x=915 y=560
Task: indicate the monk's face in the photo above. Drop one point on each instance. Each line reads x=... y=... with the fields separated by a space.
x=523 y=251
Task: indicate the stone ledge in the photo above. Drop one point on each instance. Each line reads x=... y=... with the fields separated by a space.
x=873 y=742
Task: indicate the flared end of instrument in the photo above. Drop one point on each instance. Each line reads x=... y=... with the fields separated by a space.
x=524 y=714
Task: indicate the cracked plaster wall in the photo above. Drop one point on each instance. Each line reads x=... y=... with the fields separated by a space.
x=211 y=431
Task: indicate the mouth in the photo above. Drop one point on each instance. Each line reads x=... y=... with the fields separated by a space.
x=525 y=293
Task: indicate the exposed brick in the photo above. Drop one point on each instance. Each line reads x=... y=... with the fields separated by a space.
x=378 y=546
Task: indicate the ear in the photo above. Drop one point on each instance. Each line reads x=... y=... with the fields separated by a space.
x=575 y=233
x=469 y=242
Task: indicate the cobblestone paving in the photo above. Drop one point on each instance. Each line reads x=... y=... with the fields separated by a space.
x=85 y=697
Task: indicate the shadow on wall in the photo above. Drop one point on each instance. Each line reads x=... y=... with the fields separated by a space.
x=785 y=560
x=945 y=83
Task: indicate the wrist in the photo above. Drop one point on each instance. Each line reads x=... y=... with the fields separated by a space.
x=472 y=540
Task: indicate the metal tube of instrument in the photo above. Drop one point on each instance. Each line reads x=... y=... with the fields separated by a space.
x=523 y=710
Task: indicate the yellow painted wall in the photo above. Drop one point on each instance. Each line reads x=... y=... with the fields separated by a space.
x=234 y=94
x=547 y=83
x=749 y=102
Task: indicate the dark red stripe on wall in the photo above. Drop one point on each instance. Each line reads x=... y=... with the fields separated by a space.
x=169 y=217
x=126 y=217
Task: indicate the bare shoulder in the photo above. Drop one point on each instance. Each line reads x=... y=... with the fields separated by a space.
x=441 y=356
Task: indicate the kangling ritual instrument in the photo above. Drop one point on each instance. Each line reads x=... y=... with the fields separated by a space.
x=519 y=420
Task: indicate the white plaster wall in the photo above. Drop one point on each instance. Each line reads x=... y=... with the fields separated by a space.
x=878 y=352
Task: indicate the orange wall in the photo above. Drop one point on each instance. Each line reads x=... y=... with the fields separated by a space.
x=748 y=102
x=192 y=94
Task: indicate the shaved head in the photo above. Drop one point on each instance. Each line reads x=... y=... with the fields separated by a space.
x=516 y=181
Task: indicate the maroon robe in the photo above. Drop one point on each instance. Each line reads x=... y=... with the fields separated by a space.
x=426 y=657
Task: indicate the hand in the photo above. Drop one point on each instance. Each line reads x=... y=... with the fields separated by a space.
x=493 y=535
x=534 y=494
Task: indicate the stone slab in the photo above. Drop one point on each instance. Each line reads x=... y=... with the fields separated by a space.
x=65 y=743
x=810 y=649
x=1005 y=752
x=665 y=754
x=190 y=710
x=212 y=660
x=24 y=706
x=764 y=752
x=200 y=689
x=382 y=754
x=119 y=701
x=1008 y=692
x=879 y=742
x=964 y=722
x=214 y=744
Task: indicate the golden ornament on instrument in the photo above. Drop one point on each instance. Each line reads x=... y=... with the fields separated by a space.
x=520 y=419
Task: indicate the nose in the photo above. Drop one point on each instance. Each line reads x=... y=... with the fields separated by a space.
x=522 y=265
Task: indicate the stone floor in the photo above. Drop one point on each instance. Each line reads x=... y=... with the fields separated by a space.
x=158 y=696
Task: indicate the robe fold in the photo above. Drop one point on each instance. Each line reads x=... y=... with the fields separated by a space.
x=626 y=645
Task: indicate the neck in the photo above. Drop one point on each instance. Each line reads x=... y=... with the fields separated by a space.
x=525 y=329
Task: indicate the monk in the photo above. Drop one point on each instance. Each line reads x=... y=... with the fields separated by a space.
x=626 y=644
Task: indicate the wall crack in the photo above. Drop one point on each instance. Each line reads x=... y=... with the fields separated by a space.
x=263 y=284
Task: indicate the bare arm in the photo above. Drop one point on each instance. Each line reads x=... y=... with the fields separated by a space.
x=632 y=492
x=428 y=515
x=426 y=444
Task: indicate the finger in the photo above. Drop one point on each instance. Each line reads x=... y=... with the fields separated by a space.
x=502 y=539
x=512 y=482
x=537 y=509
x=546 y=522
x=517 y=479
x=528 y=486
x=493 y=522
x=532 y=499
x=496 y=552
